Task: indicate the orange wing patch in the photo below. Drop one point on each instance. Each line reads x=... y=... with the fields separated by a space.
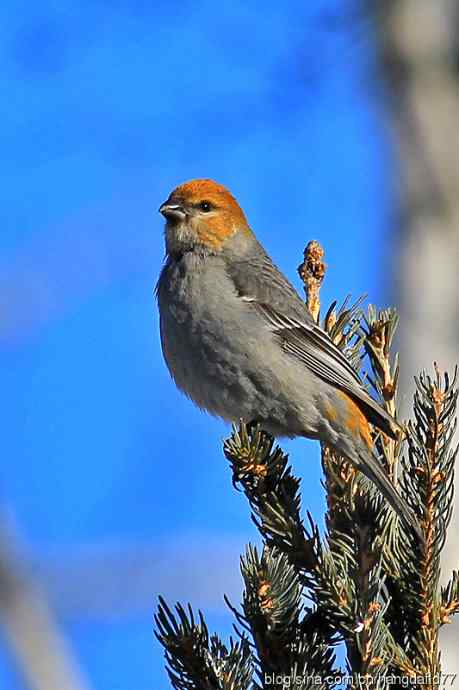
x=330 y=412
x=355 y=420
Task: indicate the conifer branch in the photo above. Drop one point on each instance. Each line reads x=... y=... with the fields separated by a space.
x=379 y=330
x=272 y=611
x=379 y=334
x=352 y=509
x=365 y=582
x=450 y=599
x=428 y=485
x=197 y=661
x=262 y=471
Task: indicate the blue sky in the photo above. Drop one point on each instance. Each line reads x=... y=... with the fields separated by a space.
x=106 y=106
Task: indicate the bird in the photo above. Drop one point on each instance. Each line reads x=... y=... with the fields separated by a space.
x=240 y=342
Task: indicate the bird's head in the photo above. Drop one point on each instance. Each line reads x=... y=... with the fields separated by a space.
x=201 y=215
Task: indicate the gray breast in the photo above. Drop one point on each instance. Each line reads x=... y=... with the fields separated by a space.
x=218 y=349
x=202 y=333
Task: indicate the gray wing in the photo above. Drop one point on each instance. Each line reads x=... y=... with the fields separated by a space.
x=312 y=346
x=265 y=289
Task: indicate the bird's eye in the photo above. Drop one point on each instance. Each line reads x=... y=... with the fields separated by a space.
x=205 y=206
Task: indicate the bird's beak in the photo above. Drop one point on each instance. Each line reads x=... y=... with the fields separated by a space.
x=172 y=211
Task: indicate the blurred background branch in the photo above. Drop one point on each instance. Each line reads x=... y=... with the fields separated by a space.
x=419 y=58
x=41 y=653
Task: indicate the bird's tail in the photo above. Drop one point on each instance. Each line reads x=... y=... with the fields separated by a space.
x=372 y=469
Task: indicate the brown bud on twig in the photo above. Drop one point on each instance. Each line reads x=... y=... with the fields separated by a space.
x=312 y=272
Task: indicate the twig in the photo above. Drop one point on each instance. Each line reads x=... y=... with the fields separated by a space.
x=312 y=272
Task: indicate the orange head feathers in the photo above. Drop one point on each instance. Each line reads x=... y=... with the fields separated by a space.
x=201 y=212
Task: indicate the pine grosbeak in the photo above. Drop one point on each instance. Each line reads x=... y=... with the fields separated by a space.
x=241 y=343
